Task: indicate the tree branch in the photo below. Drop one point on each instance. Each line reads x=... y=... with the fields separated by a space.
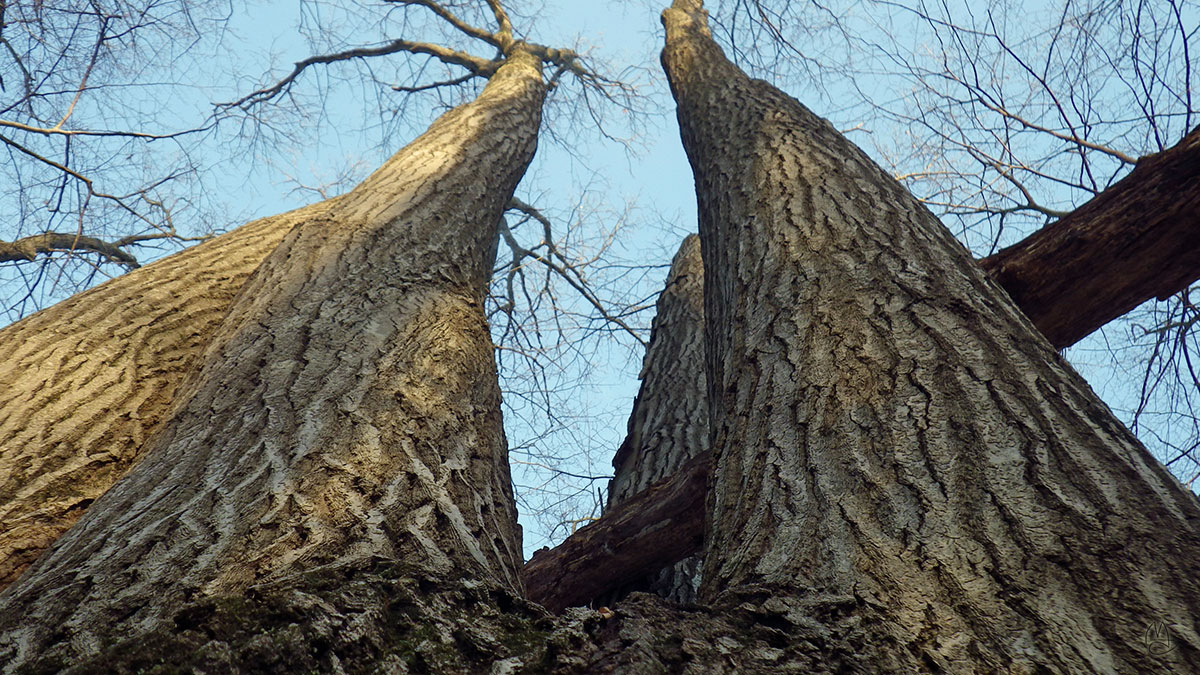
x=28 y=248
x=562 y=268
x=660 y=526
x=447 y=16
x=433 y=85
x=477 y=66
x=57 y=131
x=1135 y=241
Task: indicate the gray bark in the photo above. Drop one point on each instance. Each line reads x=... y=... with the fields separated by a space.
x=346 y=411
x=669 y=422
x=890 y=429
x=86 y=382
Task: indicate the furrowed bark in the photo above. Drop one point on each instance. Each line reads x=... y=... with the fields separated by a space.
x=889 y=428
x=135 y=339
x=669 y=422
x=1087 y=247
x=346 y=411
x=1135 y=241
x=85 y=382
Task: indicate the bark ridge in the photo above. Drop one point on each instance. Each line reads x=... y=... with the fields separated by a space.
x=87 y=381
x=347 y=408
x=888 y=426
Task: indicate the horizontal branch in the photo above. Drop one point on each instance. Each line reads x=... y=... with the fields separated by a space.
x=660 y=526
x=477 y=66
x=1135 y=241
x=450 y=18
x=28 y=248
x=58 y=131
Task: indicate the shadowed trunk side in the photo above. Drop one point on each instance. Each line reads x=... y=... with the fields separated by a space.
x=888 y=427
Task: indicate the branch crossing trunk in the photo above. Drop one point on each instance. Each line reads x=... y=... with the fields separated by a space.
x=890 y=429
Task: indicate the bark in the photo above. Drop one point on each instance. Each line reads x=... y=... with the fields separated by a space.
x=889 y=427
x=1135 y=241
x=669 y=422
x=346 y=411
x=86 y=382
x=653 y=529
x=1069 y=278
x=135 y=337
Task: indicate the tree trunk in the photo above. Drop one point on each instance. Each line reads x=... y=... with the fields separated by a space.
x=347 y=411
x=135 y=337
x=669 y=422
x=889 y=428
x=87 y=380
x=1048 y=275
x=1135 y=241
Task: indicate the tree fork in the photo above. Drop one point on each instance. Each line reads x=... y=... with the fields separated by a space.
x=151 y=324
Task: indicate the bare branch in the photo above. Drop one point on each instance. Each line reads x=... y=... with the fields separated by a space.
x=562 y=268
x=447 y=16
x=77 y=176
x=57 y=131
x=434 y=85
x=505 y=34
x=477 y=66
x=28 y=248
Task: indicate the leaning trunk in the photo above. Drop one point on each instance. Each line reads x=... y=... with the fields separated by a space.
x=891 y=432
x=669 y=422
x=134 y=338
x=87 y=381
x=347 y=411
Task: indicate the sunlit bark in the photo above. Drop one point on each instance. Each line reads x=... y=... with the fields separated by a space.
x=346 y=411
x=83 y=384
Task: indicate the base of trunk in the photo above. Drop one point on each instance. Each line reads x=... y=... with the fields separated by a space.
x=378 y=616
